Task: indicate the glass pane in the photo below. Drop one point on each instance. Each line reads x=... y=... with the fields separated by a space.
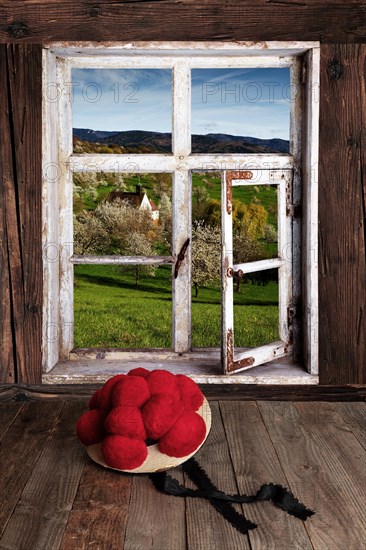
x=256 y=313
x=122 y=306
x=122 y=110
x=206 y=259
x=126 y=214
x=255 y=223
x=240 y=110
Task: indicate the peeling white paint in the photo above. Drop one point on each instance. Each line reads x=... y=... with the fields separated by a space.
x=59 y=58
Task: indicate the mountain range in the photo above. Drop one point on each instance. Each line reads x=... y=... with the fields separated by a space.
x=160 y=142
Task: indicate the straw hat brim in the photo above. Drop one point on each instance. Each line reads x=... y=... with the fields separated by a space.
x=155 y=460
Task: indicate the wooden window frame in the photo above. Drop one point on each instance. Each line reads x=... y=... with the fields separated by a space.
x=59 y=162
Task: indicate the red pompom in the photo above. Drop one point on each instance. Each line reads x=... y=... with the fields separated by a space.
x=123 y=453
x=132 y=390
x=161 y=381
x=139 y=371
x=159 y=414
x=90 y=427
x=190 y=393
x=105 y=398
x=94 y=401
x=126 y=420
x=184 y=437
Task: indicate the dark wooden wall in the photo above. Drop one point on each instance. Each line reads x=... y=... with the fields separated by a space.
x=24 y=26
x=342 y=204
x=20 y=213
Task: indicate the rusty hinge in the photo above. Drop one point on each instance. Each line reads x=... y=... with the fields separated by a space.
x=180 y=257
x=231 y=273
x=293 y=210
x=230 y=176
x=242 y=363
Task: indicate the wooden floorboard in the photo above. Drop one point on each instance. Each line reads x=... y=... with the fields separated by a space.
x=206 y=528
x=100 y=510
x=256 y=462
x=8 y=413
x=53 y=497
x=354 y=415
x=325 y=466
x=20 y=451
x=47 y=498
x=155 y=520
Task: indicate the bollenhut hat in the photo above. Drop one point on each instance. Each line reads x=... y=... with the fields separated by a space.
x=145 y=421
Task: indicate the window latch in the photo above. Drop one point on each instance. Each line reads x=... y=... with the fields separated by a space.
x=180 y=257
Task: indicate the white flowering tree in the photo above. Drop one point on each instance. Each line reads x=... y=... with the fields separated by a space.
x=206 y=255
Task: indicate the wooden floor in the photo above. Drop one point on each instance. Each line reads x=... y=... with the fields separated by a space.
x=53 y=497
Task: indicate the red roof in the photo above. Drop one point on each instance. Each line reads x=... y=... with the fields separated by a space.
x=153 y=205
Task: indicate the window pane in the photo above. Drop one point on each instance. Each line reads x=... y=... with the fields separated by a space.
x=256 y=313
x=254 y=222
x=122 y=306
x=126 y=214
x=122 y=110
x=240 y=110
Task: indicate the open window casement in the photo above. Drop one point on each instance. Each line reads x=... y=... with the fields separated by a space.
x=294 y=175
x=235 y=360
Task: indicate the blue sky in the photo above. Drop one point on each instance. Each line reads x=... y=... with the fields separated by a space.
x=247 y=102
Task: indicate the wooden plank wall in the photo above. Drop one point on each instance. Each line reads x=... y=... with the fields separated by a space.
x=25 y=25
x=325 y=20
x=20 y=213
x=342 y=204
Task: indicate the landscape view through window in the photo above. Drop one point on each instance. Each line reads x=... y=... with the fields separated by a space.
x=130 y=111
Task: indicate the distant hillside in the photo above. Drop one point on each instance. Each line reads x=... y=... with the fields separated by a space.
x=158 y=142
x=275 y=144
x=85 y=134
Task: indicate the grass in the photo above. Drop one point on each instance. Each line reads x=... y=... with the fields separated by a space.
x=110 y=311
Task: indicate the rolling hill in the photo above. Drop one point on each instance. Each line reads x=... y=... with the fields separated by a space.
x=159 y=142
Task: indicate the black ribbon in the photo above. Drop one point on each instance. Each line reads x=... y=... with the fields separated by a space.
x=281 y=497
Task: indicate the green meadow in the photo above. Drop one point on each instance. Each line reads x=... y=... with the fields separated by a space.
x=110 y=311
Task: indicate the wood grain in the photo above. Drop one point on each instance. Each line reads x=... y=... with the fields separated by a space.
x=99 y=514
x=8 y=413
x=20 y=124
x=206 y=528
x=155 y=520
x=22 y=446
x=168 y=20
x=52 y=496
x=47 y=498
x=342 y=247
x=255 y=462
x=7 y=329
x=354 y=415
x=324 y=464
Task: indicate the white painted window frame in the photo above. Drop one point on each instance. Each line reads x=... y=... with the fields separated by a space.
x=59 y=163
x=234 y=359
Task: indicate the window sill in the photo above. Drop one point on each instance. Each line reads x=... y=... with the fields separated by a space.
x=203 y=370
